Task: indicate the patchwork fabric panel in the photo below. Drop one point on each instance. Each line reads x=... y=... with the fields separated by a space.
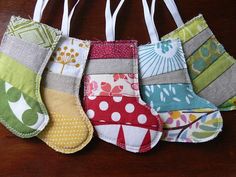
x=186 y=116
x=22 y=63
x=112 y=100
x=210 y=67
x=69 y=129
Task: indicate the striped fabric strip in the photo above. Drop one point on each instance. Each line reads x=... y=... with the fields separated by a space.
x=230 y=104
x=24 y=76
x=193 y=44
x=204 y=57
x=215 y=94
x=213 y=72
x=28 y=54
x=59 y=82
x=168 y=78
x=189 y=30
x=109 y=66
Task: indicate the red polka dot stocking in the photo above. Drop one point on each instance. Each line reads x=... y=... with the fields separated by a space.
x=112 y=99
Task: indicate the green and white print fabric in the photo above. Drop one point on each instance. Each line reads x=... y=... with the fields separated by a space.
x=25 y=50
x=166 y=87
x=210 y=67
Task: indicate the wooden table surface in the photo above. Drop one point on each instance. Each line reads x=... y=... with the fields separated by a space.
x=32 y=158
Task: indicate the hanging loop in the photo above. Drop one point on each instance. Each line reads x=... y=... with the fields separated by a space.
x=149 y=19
x=174 y=12
x=38 y=10
x=111 y=20
x=66 y=18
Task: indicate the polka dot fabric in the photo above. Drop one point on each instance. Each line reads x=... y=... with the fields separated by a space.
x=119 y=118
x=131 y=112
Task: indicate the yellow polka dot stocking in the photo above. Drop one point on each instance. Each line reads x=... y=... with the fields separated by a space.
x=69 y=129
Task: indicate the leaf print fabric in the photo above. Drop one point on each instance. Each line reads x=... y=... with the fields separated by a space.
x=168 y=94
x=108 y=90
x=183 y=125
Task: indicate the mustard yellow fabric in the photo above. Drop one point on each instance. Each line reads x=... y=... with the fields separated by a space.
x=69 y=130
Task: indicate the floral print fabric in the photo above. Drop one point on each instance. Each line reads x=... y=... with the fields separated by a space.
x=69 y=57
x=112 y=85
x=191 y=126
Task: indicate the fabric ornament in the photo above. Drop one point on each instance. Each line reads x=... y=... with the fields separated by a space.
x=25 y=50
x=112 y=98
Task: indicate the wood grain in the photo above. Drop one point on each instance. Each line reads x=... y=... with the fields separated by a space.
x=32 y=158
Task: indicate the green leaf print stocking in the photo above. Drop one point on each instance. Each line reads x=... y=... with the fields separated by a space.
x=25 y=50
x=212 y=70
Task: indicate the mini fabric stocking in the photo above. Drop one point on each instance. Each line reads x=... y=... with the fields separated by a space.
x=212 y=70
x=112 y=99
x=69 y=129
x=25 y=50
x=166 y=87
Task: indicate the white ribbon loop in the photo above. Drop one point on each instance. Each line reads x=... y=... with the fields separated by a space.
x=111 y=20
x=174 y=12
x=38 y=10
x=66 y=19
x=149 y=19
